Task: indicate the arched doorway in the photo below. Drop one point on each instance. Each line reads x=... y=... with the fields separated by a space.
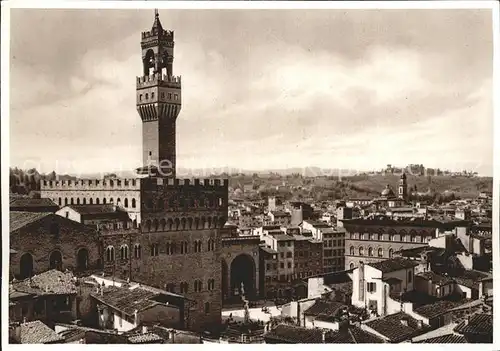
x=55 y=260
x=82 y=259
x=243 y=271
x=26 y=266
x=224 y=280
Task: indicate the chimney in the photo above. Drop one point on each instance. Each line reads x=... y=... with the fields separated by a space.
x=144 y=327
x=171 y=334
x=419 y=324
x=323 y=336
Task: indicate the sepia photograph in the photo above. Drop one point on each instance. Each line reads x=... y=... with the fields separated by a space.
x=249 y=174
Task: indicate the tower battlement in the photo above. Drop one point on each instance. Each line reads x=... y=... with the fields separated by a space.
x=158 y=34
x=158 y=79
x=91 y=184
x=192 y=183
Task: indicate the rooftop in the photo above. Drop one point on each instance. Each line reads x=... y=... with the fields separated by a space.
x=324 y=310
x=20 y=219
x=28 y=202
x=36 y=332
x=94 y=209
x=51 y=282
x=444 y=339
x=481 y=323
x=393 y=264
x=291 y=334
x=397 y=327
x=129 y=300
x=438 y=308
x=435 y=278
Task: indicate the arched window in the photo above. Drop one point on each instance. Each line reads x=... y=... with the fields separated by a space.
x=190 y=223
x=125 y=202
x=211 y=245
x=211 y=284
x=156 y=224
x=370 y=251
x=154 y=250
x=72 y=201
x=91 y=201
x=170 y=248
x=361 y=251
x=197 y=285
x=177 y=224
x=147 y=225
x=110 y=254
x=133 y=203
x=197 y=246
x=171 y=287
x=60 y=201
x=110 y=200
x=26 y=266
x=104 y=201
x=84 y=200
x=97 y=201
x=390 y=253
x=55 y=260
x=65 y=201
x=77 y=200
x=380 y=252
x=184 y=287
x=124 y=252
x=170 y=224
x=184 y=247
x=207 y=308
x=351 y=265
x=196 y=223
x=137 y=251
x=82 y=259
x=351 y=250
x=410 y=276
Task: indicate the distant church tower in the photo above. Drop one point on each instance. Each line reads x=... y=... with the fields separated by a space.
x=158 y=100
x=403 y=188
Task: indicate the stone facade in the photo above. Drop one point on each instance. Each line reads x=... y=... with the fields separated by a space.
x=49 y=237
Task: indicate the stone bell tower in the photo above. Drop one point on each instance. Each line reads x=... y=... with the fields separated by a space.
x=403 y=188
x=158 y=101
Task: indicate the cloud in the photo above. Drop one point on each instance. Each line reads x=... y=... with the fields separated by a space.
x=350 y=89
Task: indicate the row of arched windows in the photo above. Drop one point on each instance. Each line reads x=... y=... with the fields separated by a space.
x=163 y=204
x=183 y=224
x=403 y=236
x=124 y=254
x=370 y=253
x=97 y=201
x=171 y=248
x=197 y=286
x=26 y=263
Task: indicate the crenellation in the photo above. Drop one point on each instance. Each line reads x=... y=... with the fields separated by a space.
x=90 y=184
x=158 y=79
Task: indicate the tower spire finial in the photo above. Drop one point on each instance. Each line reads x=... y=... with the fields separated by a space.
x=156 y=13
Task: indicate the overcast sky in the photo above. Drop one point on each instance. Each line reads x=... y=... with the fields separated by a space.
x=261 y=88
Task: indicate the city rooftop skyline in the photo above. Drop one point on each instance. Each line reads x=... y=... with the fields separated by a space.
x=269 y=89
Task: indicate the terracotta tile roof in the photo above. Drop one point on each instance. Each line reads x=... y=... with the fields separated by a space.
x=126 y=300
x=438 y=308
x=38 y=333
x=393 y=264
x=481 y=323
x=435 y=278
x=444 y=339
x=20 y=219
x=323 y=308
x=28 y=202
x=94 y=209
x=52 y=282
x=470 y=278
x=394 y=329
x=290 y=334
x=361 y=336
x=145 y=338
